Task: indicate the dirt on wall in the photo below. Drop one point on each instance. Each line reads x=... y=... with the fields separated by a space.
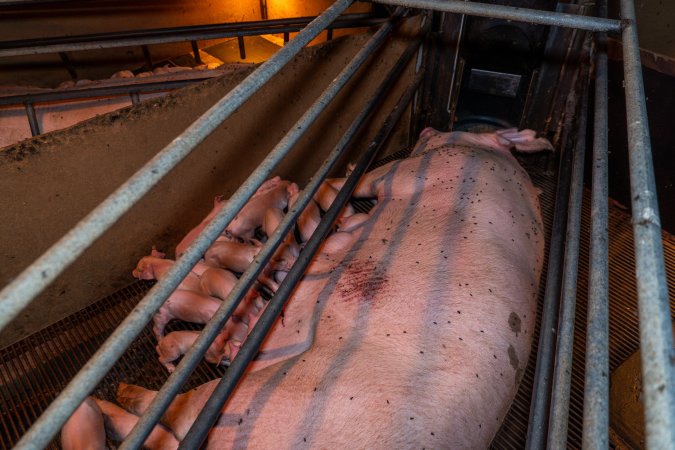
x=51 y=182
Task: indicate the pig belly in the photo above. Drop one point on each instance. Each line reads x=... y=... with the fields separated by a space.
x=419 y=335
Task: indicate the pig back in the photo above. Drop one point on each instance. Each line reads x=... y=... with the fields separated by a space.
x=419 y=334
x=443 y=281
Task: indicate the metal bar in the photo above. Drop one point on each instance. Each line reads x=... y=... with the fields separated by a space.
x=209 y=414
x=176 y=34
x=69 y=66
x=192 y=358
x=195 y=51
x=596 y=385
x=97 y=92
x=512 y=13
x=32 y=118
x=242 y=47
x=135 y=98
x=329 y=34
x=562 y=375
x=286 y=37
x=541 y=391
x=147 y=56
x=28 y=284
x=656 y=339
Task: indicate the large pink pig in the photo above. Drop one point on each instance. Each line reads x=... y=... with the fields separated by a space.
x=410 y=330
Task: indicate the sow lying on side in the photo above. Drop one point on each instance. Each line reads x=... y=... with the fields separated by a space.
x=412 y=326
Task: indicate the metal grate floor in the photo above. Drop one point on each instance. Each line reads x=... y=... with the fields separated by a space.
x=34 y=370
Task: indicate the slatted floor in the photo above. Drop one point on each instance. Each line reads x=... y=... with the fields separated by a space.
x=34 y=370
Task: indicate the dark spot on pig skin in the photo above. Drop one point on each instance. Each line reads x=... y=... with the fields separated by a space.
x=514 y=323
x=513 y=358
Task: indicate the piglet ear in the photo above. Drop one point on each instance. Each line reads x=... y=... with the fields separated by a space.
x=156 y=253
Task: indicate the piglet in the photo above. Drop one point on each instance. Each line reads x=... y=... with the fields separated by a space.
x=84 y=430
x=273 y=193
x=154 y=267
x=177 y=343
x=119 y=423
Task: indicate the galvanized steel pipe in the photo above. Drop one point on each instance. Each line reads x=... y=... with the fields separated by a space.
x=541 y=390
x=656 y=339
x=596 y=386
x=562 y=374
x=192 y=358
x=18 y=294
x=512 y=13
x=169 y=35
x=209 y=414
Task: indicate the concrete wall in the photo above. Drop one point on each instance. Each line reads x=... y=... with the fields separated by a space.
x=51 y=182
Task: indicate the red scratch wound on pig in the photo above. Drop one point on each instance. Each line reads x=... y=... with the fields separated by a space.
x=362 y=282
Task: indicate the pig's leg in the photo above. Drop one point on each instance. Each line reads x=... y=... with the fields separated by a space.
x=182 y=412
x=119 y=424
x=327 y=192
x=352 y=222
x=309 y=218
x=84 y=430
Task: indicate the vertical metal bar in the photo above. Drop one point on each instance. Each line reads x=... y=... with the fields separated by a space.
x=195 y=51
x=286 y=37
x=32 y=119
x=209 y=414
x=242 y=47
x=562 y=375
x=656 y=340
x=135 y=98
x=541 y=391
x=329 y=34
x=596 y=385
x=147 y=56
x=69 y=65
x=263 y=9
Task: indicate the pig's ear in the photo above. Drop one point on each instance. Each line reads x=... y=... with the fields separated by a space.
x=523 y=140
x=156 y=253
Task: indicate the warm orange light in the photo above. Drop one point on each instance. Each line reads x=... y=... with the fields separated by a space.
x=282 y=9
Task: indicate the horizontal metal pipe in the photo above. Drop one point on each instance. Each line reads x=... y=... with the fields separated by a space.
x=192 y=358
x=656 y=339
x=19 y=293
x=89 y=92
x=209 y=414
x=596 y=386
x=512 y=13
x=562 y=374
x=172 y=35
